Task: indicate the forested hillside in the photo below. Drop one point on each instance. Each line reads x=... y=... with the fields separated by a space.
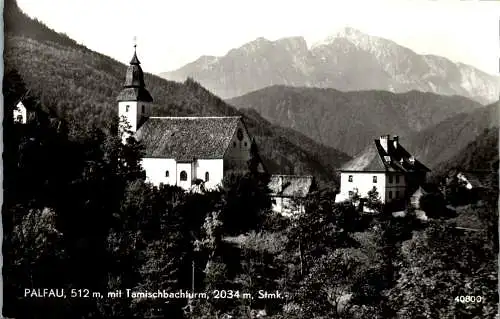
x=439 y=143
x=81 y=86
x=479 y=155
x=348 y=121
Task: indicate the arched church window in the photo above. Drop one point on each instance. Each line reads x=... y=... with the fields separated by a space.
x=207 y=176
x=184 y=176
x=143 y=109
x=167 y=174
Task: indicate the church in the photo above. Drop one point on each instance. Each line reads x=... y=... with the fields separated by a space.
x=182 y=151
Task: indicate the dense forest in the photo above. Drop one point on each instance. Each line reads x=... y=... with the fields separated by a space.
x=349 y=121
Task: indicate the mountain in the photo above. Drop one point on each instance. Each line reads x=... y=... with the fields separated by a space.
x=348 y=61
x=443 y=142
x=479 y=155
x=81 y=86
x=348 y=121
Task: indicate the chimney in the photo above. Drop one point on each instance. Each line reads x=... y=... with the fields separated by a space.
x=384 y=139
x=395 y=141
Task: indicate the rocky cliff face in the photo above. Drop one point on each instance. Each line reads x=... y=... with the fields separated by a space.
x=348 y=60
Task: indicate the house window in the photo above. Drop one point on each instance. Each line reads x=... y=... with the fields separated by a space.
x=245 y=144
x=351 y=193
x=126 y=108
x=390 y=194
x=184 y=176
x=390 y=179
x=207 y=176
x=234 y=144
x=143 y=109
x=167 y=174
x=19 y=118
x=350 y=178
x=397 y=179
x=397 y=194
x=374 y=179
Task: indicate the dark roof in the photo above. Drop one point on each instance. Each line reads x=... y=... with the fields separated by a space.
x=373 y=158
x=187 y=138
x=290 y=185
x=134 y=88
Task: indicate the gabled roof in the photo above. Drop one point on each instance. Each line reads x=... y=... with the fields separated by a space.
x=374 y=158
x=290 y=185
x=187 y=138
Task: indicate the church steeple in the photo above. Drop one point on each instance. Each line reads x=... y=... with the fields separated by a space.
x=134 y=100
x=134 y=88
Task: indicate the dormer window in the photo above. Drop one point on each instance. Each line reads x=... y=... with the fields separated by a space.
x=387 y=158
x=19 y=118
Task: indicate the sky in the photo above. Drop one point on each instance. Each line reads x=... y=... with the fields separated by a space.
x=171 y=34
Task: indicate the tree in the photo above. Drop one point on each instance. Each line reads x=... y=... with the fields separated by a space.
x=373 y=201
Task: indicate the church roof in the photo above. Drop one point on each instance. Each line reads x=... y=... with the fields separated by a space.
x=187 y=138
x=134 y=88
x=290 y=185
x=376 y=159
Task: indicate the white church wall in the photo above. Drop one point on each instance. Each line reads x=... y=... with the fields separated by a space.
x=156 y=170
x=363 y=183
x=184 y=167
x=238 y=152
x=215 y=169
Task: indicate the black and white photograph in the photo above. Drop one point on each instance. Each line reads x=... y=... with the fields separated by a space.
x=321 y=159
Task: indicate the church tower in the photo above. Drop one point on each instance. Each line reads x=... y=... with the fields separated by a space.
x=134 y=101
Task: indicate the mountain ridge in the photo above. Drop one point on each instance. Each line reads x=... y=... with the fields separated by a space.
x=349 y=60
x=348 y=121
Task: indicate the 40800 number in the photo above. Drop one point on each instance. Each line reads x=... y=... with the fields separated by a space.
x=469 y=299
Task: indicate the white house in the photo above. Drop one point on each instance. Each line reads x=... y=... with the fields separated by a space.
x=287 y=191
x=182 y=150
x=385 y=165
x=20 y=113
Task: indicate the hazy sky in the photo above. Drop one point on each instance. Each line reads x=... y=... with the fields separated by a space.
x=173 y=33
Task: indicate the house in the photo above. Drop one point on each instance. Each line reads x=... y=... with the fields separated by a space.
x=288 y=190
x=386 y=166
x=23 y=111
x=182 y=151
